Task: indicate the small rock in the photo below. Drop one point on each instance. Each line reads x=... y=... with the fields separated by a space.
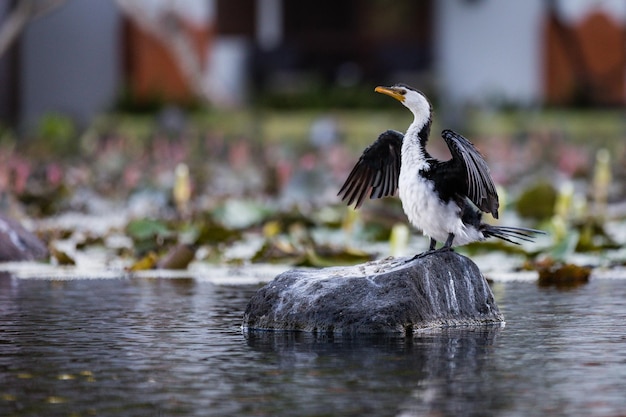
x=18 y=244
x=562 y=275
x=388 y=296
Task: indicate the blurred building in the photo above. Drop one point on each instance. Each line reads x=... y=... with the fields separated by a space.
x=67 y=61
x=87 y=54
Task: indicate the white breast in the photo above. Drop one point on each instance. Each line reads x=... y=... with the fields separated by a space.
x=424 y=208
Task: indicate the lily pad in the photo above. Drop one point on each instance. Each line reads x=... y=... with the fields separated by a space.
x=149 y=234
x=326 y=255
x=277 y=251
x=61 y=256
x=238 y=214
x=537 y=202
x=593 y=237
x=210 y=232
x=147 y=262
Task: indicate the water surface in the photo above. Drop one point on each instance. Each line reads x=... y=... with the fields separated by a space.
x=174 y=347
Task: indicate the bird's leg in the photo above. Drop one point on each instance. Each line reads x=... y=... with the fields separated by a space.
x=448 y=244
x=431 y=249
x=447 y=247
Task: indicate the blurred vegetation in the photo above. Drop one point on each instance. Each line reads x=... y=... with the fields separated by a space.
x=248 y=172
x=590 y=127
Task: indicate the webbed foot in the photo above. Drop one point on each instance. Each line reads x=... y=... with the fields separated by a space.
x=429 y=252
x=447 y=247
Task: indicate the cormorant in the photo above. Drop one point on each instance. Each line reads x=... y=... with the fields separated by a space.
x=443 y=199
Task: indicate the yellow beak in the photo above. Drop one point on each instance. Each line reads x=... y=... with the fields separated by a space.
x=391 y=92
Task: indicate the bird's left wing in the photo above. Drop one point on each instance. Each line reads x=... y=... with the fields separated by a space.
x=377 y=171
x=480 y=188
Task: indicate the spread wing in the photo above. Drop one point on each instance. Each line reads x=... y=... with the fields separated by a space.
x=480 y=188
x=377 y=171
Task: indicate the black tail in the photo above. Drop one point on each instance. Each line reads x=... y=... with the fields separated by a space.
x=511 y=234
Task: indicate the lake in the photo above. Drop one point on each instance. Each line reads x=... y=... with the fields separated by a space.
x=174 y=347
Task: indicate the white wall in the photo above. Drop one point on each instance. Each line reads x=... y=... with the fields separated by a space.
x=70 y=61
x=488 y=49
x=575 y=10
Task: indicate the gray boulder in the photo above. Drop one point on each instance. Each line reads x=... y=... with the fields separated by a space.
x=438 y=290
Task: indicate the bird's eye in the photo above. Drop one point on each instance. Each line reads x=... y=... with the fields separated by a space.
x=403 y=92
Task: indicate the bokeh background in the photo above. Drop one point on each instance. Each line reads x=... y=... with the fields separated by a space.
x=81 y=58
x=206 y=121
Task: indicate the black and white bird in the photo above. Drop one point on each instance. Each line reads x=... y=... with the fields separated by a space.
x=443 y=199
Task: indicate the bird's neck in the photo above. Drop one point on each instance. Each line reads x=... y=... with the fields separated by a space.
x=414 y=143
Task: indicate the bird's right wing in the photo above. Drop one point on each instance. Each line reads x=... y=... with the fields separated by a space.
x=377 y=171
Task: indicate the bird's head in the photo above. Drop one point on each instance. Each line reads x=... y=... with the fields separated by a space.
x=411 y=98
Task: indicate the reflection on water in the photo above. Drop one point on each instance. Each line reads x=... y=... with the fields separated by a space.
x=392 y=375
x=143 y=347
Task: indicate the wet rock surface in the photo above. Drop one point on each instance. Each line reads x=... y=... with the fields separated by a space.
x=387 y=296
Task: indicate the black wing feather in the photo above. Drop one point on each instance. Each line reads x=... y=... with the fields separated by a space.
x=376 y=172
x=480 y=188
